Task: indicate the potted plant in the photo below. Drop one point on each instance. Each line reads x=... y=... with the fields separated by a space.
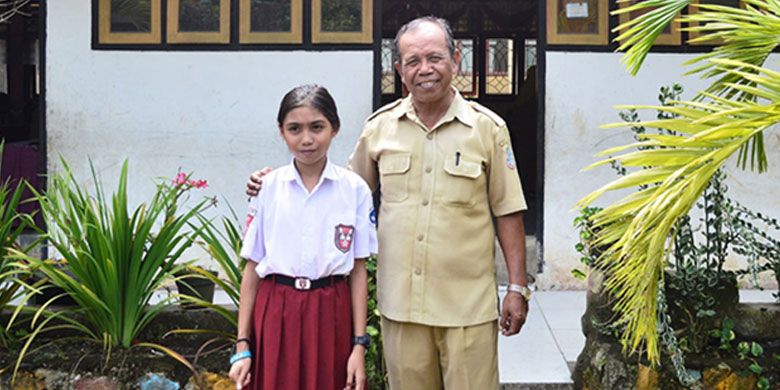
x=195 y=285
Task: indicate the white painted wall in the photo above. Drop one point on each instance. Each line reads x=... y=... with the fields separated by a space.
x=211 y=113
x=581 y=90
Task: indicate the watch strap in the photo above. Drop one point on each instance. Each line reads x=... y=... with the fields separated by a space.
x=524 y=291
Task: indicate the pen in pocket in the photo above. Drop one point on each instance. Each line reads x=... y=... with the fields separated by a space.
x=457 y=158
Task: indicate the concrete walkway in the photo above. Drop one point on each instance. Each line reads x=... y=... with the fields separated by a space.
x=540 y=356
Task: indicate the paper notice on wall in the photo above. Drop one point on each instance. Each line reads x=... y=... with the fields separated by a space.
x=577 y=10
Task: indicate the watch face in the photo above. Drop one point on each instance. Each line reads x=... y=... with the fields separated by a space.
x=364 y=340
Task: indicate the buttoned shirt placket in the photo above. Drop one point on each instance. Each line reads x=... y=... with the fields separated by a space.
x=307 y=239
x=424 y=213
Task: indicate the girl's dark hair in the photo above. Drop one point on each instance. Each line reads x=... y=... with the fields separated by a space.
x=311 y=95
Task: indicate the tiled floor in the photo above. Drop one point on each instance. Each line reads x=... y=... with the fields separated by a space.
x=550 y=338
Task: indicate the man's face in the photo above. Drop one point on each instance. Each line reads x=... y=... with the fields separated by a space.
x=426 y=66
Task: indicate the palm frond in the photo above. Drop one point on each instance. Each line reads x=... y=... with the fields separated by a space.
x=674 y=172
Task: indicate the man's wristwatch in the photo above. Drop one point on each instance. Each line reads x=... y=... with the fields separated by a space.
x=364 y=340
x=524 y=291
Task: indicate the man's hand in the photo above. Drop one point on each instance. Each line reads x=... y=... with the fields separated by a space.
x=239 y=372
x=356 y=369
x=255 y=183
x=514 y=311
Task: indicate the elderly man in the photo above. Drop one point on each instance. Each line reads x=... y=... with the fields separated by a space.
x=445 y=170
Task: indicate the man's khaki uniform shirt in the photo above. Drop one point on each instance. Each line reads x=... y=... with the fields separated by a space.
x=438 y=190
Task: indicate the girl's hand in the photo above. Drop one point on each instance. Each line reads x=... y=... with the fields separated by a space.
x=356 y=369
x=239 y=372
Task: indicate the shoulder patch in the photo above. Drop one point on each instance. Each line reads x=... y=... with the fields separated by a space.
x=387 y=107
x=487 y=112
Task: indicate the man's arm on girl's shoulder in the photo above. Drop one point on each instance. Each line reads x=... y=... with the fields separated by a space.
x=255 y=182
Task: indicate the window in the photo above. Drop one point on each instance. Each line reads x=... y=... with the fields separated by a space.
x=577 y=22
x=465 y=80
x=271 y=21
x=231 y=23
x=499 y=75
x=129 y=21
x=198 y=21
x=388 y=69
x=341 y=21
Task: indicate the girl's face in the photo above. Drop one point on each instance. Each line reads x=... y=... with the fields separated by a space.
x=308 y=134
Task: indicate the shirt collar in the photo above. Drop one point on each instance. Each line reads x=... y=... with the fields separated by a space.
x=289 y=173
x=459 y=109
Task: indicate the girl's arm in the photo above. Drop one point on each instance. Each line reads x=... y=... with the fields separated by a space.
x=358 y=287
x=239 y=371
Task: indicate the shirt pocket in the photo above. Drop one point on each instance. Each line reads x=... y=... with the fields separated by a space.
x=461 y=181
x=394 y=172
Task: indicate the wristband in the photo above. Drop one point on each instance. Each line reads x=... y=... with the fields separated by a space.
x=243 y=340
x=240 y=356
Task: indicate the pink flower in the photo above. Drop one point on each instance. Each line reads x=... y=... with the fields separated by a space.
x=180 y=179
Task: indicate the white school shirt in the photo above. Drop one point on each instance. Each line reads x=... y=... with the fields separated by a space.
x=300 y=234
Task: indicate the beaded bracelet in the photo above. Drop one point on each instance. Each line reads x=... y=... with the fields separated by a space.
x=240 y=356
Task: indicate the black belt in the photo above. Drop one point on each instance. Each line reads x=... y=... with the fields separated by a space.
x=306 y=283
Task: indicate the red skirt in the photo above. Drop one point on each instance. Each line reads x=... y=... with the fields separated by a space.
x=302 y=338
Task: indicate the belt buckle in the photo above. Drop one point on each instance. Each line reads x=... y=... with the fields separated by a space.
x=302 y=284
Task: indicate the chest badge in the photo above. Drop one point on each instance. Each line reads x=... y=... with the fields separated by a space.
x=343 y=237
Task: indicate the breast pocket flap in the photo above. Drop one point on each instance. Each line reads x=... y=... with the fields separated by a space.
x=395 y=164
x=463 y=168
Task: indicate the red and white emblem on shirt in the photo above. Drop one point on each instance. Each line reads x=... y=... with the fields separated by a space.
x=250 y=215
x=343 y=237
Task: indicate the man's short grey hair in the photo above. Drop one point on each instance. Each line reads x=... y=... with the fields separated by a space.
x=443 y=24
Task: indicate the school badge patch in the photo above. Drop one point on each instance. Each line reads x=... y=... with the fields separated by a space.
x=510 y=157
x=343 y=237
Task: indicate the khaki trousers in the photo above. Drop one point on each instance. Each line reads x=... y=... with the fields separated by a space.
x=421 y=357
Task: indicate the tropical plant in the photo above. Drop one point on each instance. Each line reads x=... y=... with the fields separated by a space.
x=727 y=118
x=224 y=247
x=116 y=259
x=12 y=278
x=376 y=371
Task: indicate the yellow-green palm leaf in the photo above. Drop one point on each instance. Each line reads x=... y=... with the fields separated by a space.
x=674 y=172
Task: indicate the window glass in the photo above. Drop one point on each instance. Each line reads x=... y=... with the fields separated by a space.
x=388 y=72
x=499 y=75
x=270 y=15
x=131 y=16
x=199 y=15
x=341 y=15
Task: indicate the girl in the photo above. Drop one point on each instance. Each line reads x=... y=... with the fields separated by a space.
x=302 y=311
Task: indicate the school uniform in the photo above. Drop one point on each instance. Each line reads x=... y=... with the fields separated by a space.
x=303 y=245
x=436 y=279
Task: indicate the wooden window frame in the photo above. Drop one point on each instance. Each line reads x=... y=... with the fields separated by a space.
x=673 y=38
x=600 y=38
x=176 y=36
x=246 y=35
x=106 y=36
x=365 y=35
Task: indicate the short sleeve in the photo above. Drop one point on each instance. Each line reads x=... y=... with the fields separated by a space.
x=365 y=229
x=253 y=247
x=361 y=161
x=505 y=191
